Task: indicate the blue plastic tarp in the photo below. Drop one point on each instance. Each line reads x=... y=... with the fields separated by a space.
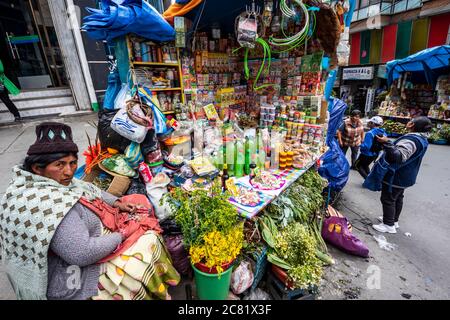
x=335 y=167
x=117 y=18
x=427 y=61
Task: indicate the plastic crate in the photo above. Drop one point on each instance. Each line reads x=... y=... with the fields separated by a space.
x=279 y=291
x=260 y=268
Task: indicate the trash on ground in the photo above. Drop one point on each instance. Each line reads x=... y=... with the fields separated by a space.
x=384 y=244
x=408 y=234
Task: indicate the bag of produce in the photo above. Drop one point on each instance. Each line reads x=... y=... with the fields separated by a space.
x=242 y=278
x=133 y=155
x=119 y=165
x=108 y=137
x=179 y=255
x=126 y=127
x=335 y=231
x=155 y=190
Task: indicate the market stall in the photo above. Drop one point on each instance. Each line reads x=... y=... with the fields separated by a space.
x=420 y=85
x=223 y=131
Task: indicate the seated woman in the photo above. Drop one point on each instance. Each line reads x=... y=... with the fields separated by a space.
x=54 y=232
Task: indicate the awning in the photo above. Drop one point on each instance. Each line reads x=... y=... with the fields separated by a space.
x=431 y=62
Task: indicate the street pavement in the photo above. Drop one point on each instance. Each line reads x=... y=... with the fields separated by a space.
x=416 y=269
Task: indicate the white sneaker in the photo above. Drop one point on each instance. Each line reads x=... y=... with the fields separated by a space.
x=396 y=225
x=384 y=228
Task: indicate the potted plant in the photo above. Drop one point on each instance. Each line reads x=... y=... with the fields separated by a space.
x=213 y=235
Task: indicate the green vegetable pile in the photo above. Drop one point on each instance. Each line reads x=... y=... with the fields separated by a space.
x=291 y=227
x=441 y=133
x=394 y=127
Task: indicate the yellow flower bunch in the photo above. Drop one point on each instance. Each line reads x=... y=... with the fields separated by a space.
x=218 y=248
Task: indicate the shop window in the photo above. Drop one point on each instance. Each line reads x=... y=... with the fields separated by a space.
x=374 y=10
x=412 y=4
x=374 y=1
x=363 y=13
x=386 y=8
x=355 y=15
x=400 y=6
x=364 y=3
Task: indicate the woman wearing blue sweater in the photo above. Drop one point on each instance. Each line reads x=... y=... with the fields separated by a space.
x=370 y=148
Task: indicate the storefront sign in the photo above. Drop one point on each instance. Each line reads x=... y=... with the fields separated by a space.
x=357 y=73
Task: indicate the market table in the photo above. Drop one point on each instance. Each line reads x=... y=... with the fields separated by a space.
x=290 y=175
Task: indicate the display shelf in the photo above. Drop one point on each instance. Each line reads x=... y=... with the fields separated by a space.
x=275 y=193
x=155 y=64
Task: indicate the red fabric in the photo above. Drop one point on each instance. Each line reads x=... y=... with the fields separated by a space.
x=438 y=30
x=389 y=43
x=119 y=221
x=355 y=48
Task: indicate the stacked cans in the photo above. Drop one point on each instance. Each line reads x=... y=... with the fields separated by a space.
x=267 y=115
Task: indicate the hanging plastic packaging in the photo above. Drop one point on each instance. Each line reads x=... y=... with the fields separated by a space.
x=247 y=31
x=159 y=119
x=126 y=127
x=122 y=97
x=113 y=89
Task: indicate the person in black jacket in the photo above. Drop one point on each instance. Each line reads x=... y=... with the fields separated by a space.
x=405 y=156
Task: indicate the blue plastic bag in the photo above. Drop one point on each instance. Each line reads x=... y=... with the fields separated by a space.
x=133 y=155
x=114 y=86
x=335 y=167
x=159 y=119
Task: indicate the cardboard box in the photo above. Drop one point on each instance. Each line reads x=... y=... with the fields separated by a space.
x=119 y=184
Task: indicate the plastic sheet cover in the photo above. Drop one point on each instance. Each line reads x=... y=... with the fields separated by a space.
x=335 y=167
x=118 y=18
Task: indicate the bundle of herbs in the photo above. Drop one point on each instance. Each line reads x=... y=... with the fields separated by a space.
x=210 y=225
x=303 y=202
x=294 y=250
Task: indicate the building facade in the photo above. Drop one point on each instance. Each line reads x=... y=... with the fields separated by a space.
x=382 y=31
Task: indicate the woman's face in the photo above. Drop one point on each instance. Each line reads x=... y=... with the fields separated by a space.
x=61 y=170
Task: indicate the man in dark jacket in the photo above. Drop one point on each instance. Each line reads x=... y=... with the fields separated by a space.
x=405 y=157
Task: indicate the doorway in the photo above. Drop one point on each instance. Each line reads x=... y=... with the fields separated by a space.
x=29 y=47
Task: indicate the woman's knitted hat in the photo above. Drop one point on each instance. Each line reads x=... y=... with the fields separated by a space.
x=53 y=137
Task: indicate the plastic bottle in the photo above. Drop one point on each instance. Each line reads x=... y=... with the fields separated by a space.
x=225 y=177
x=275 y=156
x=239 y=159
x=249 y=149
x=230 y=158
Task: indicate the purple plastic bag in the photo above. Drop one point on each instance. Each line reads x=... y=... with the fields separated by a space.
x=335 y=231
x=178 y=253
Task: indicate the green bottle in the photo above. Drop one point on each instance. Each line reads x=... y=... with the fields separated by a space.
x=247 y=157
x=230 y=158
x=239 y=159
